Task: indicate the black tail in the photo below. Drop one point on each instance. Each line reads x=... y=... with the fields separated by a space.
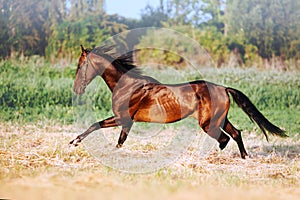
x=243 y=102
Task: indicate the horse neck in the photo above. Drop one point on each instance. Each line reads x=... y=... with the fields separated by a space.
x=111 y=76
x=107 y=71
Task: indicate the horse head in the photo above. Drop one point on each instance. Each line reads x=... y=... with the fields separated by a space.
x=84 y=74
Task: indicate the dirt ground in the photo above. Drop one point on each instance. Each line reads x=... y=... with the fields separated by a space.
x=37 y=163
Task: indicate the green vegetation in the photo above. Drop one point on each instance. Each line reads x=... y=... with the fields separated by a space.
x=38 y=38
x=37 y=91
x=255 y=32
x=276 y=95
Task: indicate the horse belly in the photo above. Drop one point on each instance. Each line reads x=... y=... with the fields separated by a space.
x=166 y=104
x=162 y=112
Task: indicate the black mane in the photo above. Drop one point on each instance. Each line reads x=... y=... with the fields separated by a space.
x=123 y=63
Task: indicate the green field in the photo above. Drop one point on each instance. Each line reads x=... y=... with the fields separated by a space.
x=36 y=91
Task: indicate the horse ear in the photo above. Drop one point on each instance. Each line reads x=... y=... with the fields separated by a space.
x=82 y=49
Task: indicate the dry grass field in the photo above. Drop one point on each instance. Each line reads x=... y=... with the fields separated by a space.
x=37 y=163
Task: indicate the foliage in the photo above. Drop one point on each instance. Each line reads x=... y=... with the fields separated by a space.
x=276 y=95
x=37 y=91
x=160 y=47
x=67 y=37
x=239 y=31
x=53 y=28
x=269 y=25
x=23 y=31
x=86 y=24
x=214 y=43
x=152 y=17
x=235 y=32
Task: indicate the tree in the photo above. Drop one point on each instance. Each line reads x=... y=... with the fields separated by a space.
x=214 y=14
x=86 y=23
x=53 y=28
x=27 y=20
x=80 y=8
x=152 y=17
x=269 y=25
x=6 y=30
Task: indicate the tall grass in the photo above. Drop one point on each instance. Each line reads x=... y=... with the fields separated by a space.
x=34 y=91
x=37 y=91
x=275 y=93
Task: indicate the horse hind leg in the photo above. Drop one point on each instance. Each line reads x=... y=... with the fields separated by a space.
x=236 y=135
x=223 y=140
x=217 y=134
x=221 y=137
x=213 y=130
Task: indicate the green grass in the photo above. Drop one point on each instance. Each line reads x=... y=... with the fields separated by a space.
x=275 y=93
x=37 y=91
x=31 y=92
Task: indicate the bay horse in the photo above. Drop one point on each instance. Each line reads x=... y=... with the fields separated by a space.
x=139 y=98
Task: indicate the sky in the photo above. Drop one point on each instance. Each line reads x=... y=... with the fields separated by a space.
x=128 y=8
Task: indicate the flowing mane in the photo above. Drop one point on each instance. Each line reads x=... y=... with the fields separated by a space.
x=123 y=63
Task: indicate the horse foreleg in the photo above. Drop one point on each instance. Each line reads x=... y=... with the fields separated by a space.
x=109 y=122
x=123 y=135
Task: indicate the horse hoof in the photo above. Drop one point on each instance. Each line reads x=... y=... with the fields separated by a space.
x=119 y=146
x=75 y=142
x=243 y=155
x=223 y=144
